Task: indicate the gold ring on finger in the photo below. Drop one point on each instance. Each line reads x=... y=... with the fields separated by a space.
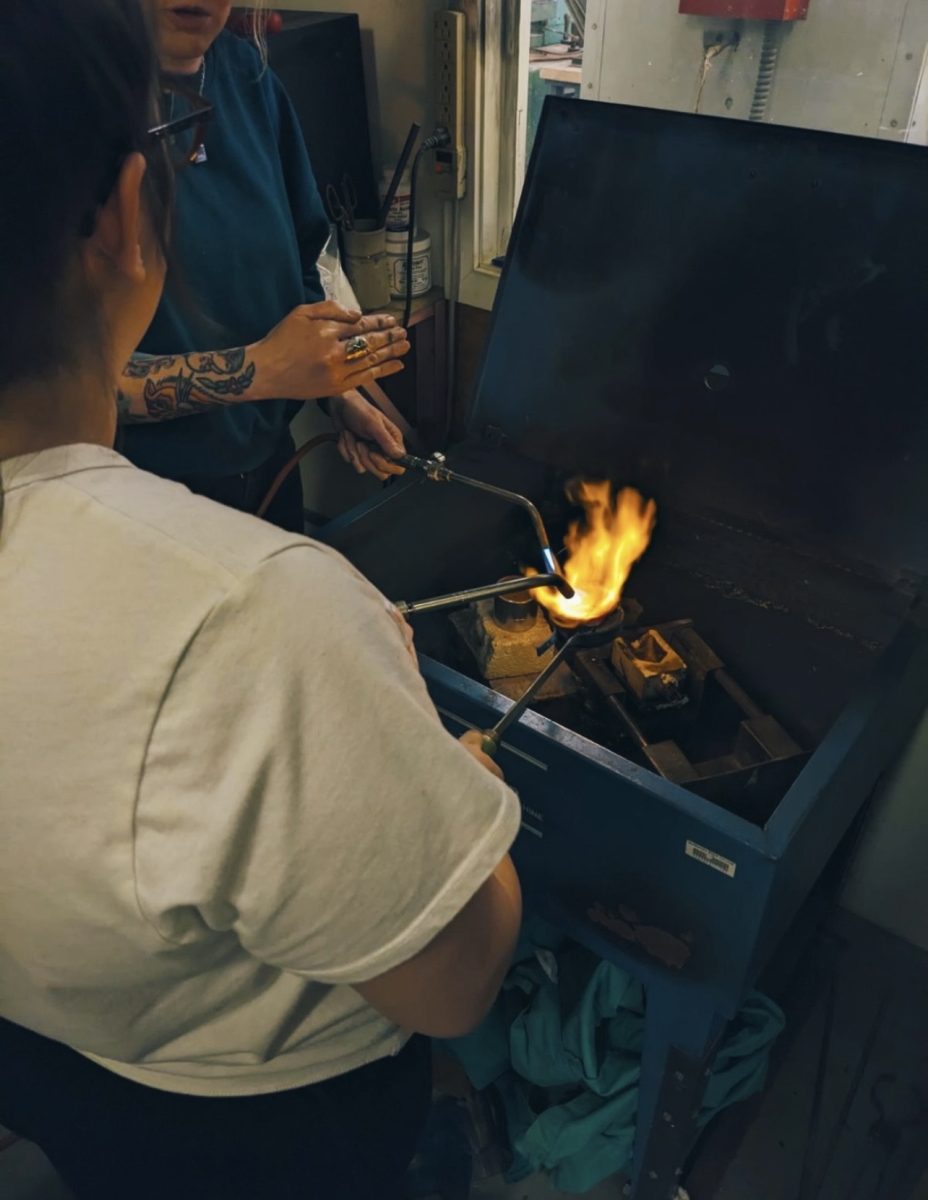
x=356 y=349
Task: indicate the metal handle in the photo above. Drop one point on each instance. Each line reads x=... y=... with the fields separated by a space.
x=591 y=635
x=491 y=743
x=492 y=738
x=490 y=590
x=434 y=468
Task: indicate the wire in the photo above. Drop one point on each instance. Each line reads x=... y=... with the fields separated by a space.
x=411 y=235
x=414 y=130
x=441 y=137
x=712 y=53
x=767 y=71
x=291 y=463
x=454 y=284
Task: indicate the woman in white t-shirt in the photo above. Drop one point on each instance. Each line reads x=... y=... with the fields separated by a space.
x=241 y=862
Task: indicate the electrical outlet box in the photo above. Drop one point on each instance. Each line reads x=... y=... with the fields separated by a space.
x=450 y=160
x=748 y=10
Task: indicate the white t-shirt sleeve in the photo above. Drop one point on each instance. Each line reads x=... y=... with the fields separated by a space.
x=299 y=789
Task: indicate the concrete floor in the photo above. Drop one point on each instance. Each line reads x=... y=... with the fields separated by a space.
x=856 y=1041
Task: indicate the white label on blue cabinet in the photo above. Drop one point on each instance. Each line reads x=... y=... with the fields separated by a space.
x=709 y=858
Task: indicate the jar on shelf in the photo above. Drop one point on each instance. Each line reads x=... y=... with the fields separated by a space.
x=397 y=244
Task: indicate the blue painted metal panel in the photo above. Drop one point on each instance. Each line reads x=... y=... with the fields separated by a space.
x=603 y=835
x=863 y=745
x=807 y=312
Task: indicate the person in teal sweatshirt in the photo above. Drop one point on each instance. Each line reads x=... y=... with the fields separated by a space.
x=244 y=336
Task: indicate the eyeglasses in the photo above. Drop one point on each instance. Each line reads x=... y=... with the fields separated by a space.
x=182 y=136
x=184 y=132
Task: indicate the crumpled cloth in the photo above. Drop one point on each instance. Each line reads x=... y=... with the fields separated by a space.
x=563 y=1046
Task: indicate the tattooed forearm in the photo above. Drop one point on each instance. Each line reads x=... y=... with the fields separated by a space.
x=124 y=413
x=161 y=387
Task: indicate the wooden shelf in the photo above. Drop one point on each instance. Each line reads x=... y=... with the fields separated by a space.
x=420 y=305
x=562 y=73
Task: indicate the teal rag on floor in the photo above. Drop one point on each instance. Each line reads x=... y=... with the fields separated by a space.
x=563 y=1048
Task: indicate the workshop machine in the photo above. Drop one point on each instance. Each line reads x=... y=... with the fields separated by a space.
x=730 y=318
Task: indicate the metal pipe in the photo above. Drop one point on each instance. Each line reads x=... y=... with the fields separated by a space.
x=751 y=710
x=591 y=635
x=493 y=737
x=631 y=725
x=623 y=717
x=434 y=468
x=547 y=554
x=501 y=588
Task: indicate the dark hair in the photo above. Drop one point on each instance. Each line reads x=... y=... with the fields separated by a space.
x=77 y=95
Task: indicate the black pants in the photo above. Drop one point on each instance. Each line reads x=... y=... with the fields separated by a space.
x=246 y=491
x=350 y=1138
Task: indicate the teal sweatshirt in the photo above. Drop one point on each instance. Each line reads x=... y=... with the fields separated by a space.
x=250 y=226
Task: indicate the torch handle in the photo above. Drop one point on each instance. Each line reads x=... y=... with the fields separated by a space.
x=490 y=744
x=492 y=738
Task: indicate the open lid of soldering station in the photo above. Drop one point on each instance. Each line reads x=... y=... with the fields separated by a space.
x=732 y=317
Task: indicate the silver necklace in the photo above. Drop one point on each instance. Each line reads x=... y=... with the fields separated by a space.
x=200 y=154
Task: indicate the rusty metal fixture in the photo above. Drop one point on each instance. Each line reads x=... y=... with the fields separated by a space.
x=653 y=671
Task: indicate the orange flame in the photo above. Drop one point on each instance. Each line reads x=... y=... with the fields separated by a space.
x=603 y=547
